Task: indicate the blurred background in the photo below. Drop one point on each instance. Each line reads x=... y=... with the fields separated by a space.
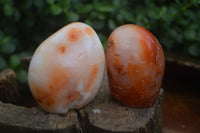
x=25 y=24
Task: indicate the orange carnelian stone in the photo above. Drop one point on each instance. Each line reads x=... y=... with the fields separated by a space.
x=135 y=66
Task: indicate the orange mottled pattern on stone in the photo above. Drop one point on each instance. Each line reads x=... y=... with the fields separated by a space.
x=142 y=69
x=74 y=34
x=89 y=31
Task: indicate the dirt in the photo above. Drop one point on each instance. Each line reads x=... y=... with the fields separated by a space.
x=181 y=105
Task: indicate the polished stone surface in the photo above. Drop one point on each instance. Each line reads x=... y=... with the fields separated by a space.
x=67 y=68
x=135 y=65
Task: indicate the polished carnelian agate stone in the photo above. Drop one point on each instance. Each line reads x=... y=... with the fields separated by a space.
x=67 y=68
x=135 y=66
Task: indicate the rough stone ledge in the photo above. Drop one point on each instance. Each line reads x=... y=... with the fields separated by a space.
x=106 y=115
x=102 y=115
x=34 y=120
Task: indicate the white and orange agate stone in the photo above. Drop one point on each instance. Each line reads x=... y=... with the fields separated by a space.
x=67 y=68
x=135 y=66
